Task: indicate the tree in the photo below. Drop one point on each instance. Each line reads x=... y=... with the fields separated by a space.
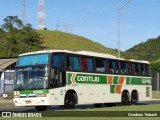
x=155 y=66
x=18 y=38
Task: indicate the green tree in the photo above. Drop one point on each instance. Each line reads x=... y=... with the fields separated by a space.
x=18 y=38
x=155 y=66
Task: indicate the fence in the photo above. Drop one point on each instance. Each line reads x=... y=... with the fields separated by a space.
x=6 y=81
x=156 y=85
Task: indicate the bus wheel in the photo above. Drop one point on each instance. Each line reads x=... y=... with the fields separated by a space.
x=69 y=101
x=41 y=108
x=125 y=98
x=134 y=97
x=98 y=105
x=109 y=104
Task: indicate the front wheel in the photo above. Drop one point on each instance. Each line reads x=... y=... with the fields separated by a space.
x=69 y=101
x=41 y=108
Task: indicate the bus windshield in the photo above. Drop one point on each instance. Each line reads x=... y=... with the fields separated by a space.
x=31 y=78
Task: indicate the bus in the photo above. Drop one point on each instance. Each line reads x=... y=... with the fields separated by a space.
x=66 y=78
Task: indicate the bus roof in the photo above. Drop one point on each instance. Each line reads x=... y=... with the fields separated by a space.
x=87 y=53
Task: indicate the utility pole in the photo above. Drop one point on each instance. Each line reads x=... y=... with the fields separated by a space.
x=119 y=15
x=58 y=29
x=23 y=14
x=67 y=28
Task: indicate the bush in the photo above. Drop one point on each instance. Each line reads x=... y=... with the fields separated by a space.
x=155 y=66
x=10 y=94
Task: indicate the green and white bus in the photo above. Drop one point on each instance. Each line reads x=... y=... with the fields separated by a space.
x=65 y=78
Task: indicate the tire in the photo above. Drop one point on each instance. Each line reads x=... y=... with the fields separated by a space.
x=98 y=105
x=70 y=101
x=134 y=98
x=109 y=104
x=125 y=98
x=41 y=108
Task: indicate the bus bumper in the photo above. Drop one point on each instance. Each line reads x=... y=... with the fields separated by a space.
x=37 y=101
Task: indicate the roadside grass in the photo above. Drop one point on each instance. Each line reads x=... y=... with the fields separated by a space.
x=7 y=104
x=4 y=102
x=155 y=94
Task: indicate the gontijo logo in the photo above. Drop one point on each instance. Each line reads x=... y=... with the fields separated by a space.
x=87 y=79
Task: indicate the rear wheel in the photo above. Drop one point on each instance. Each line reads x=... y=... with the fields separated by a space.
x=41 y=108
x=125 y=98
x=70 y=101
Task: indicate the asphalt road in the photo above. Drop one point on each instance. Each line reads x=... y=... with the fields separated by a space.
x=32 y=109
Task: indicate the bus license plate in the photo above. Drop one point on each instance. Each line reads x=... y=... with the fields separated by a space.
x=28 y=101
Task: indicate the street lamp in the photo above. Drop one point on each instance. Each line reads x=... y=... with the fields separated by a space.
x=119 y=15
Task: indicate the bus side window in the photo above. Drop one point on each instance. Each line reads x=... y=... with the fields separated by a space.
x=136 y=72
x=122 y=67
x=69 y=62
x=87 y=64
x=90 y=64
x=58 y=60
x=73 y=63
x=110 y=69
x=115 y=69
x=76 y=62
x=131 y=68
x=84 y=63
x=142 y=69
x=127 y=67
x=101 y=65
x=147 y=70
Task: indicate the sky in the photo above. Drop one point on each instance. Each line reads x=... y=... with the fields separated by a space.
x=94 y=19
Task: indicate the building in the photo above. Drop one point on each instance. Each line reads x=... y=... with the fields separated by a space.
x=7 y=71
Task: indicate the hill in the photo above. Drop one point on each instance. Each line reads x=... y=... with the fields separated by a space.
x=149 y=50
x=61 y=40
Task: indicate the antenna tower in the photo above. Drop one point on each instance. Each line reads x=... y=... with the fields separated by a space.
x=23 y=15
x=41 y=16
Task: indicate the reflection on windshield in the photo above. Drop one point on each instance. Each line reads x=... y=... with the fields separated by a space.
x=31 y=78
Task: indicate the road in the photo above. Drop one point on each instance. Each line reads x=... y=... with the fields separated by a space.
x=32 y=109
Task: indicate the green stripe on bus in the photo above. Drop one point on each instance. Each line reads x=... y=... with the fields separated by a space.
x=102 y=79
x=89 y=78
x=69 y=78
x=44 y=91
x=115 y=79
x=138 y=81
x=112 y=88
